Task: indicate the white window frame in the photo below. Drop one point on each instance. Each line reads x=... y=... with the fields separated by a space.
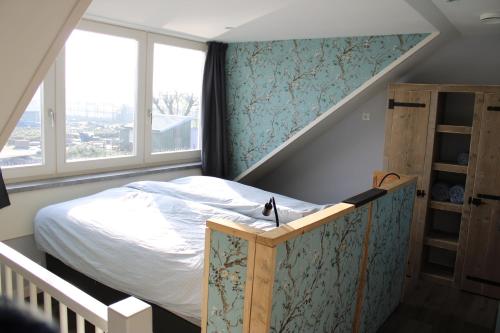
x=47 y=120
x=167 y=157
x=107 y=163
x=53 y=116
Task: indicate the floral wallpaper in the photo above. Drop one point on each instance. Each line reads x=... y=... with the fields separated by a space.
x=388 y=249
x=317 y=277
x=275 y=89
x=226 y=282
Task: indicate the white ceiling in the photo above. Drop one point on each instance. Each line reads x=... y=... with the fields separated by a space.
x=258 y=20
x=464 y=15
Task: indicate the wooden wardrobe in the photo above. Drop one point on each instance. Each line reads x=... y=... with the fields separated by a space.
x=429 y=131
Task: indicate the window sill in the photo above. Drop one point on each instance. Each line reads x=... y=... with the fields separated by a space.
x=104 y=176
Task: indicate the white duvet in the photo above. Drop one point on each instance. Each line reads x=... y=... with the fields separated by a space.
x=147 y=238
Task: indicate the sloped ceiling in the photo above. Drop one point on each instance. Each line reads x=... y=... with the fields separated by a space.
x=464 y=15
x=261 y=20
x=31 y=35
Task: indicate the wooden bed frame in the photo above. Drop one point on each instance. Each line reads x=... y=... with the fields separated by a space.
x=338 y=270
x=163 y=320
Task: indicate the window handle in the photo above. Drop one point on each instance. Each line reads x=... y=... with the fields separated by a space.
x=150 y=115
x=52 y=117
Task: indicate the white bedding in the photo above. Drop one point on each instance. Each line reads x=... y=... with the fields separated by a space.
x=147 y=238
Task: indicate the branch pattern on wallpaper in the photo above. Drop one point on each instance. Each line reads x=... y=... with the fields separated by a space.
x=389 y=243
x=317 y=277
x=226 y=280
x=274 y=89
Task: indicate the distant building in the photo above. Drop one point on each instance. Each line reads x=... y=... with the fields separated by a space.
x=169 y=133
x=30 y=118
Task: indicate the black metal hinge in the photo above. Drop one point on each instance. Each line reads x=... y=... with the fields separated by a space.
x=480 y=280
x=488 y=196
x=475 y=201
x=393 y=104
x=493 y=108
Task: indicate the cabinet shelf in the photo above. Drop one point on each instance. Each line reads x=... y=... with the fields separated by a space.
x=454 y=129
x=438 y=274
x=447 y=206
x=448 y=167
x=442 y=240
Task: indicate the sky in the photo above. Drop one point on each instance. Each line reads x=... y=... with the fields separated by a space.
x=103 y=69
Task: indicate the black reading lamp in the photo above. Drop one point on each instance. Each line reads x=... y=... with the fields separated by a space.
x=267 y=210
x=4 y=196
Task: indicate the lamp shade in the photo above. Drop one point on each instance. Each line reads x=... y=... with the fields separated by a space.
x=4 y=196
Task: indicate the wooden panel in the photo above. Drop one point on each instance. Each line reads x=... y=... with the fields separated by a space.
x=483 y=248
x=442 y=240
x=469 y=185
x=262 y=294
x=437 y=274
x=488 y=164
x=298 y=227
x=249 y=286
x=233 y=228
x=454 y=129
x=409 y=149
x=446 y=206
x=455 y=168
x=406 y=149
x=204 y=298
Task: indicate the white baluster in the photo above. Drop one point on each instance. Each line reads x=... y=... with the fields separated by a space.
x=33 y=300
x=63 y=318
x=80 y=324
x=130 y=315
x=19 y=288
x=8 y=282
x=47 y=305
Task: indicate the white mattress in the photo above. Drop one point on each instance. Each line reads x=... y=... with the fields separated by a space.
x=147 y=238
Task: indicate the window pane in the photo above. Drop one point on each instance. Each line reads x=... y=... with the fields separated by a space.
x=177 y=79
x=101 y=95
x=24 y=147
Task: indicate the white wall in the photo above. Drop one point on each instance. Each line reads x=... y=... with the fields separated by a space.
x=339 y=163
x=16 y=220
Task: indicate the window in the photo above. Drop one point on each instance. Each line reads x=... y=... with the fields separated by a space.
x=101 y=95
x=176 y=98
x=24 y=147
x=115 y=98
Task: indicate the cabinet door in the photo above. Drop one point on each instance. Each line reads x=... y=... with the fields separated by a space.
x=410 y=126
x=406 y=143
x=482 y=268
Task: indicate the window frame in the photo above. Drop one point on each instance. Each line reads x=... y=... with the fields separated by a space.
x=47 y=121
x=54 y=101
x=181 y=156
x=107 y=163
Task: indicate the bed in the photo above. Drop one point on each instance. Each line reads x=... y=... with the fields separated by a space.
x=148 y=238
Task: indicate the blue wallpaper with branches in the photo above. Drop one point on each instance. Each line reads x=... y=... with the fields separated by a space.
x=276 y=88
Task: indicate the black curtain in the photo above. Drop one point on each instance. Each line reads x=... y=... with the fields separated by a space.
x=214 y=160
x=4 y=197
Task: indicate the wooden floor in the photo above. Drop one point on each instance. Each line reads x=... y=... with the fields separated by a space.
x=436 y=308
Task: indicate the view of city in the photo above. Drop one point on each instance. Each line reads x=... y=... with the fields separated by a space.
x=24 y=146
x=101 y=114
